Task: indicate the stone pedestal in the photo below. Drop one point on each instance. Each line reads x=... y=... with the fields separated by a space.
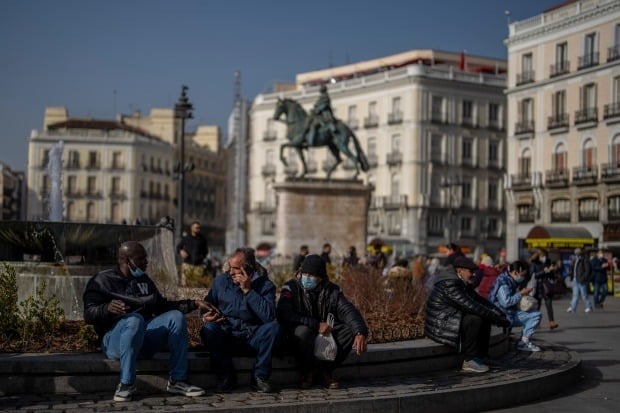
x=314 y=212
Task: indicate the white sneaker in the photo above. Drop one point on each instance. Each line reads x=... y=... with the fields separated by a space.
x=474 y=366
x=527 y=346
x=569 y=310
x=588 y=310
x=124 y=392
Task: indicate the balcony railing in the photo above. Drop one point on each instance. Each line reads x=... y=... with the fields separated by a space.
x=268 y=169
x=525 y=77
x=610 y=172
x=467 y=121
x=557 y=177
x=587 y=60
x=373 y=160
x=92 y=193
x=560 y=216
x=611 y=110
x=395 y=117
x=394 y=158
x=117 y=194
x=371 y=121
x=117 y=167
x=93 y=165
x=588 y=215
x=560 y=120
x=524 y=126
x=394 y=201
x=270 y=135
x=586 y=115
x=73 y=165
x=560 y=68
x=585 y=174
x=353 y=123
x=494 y=124
x=527 y=216
x=521 y=180
x=613 y=53
x=73 y=193
x=437 y=117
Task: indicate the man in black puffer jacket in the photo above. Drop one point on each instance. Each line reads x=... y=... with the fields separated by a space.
x=458 y=317
x=305 y=302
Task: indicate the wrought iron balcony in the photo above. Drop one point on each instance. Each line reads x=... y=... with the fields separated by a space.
x=586 y=115
x=527 y=215
x=613 y=53
x=269 y=135
x=73 y=193
x=73 y=165
x=93 y=165
x=353 y=123
x=394 y=158
x=117 y=167
x=584 y=175
x=560 y=68
x=587 y=60
x=557 y=178
x=525 y=77
x=268 y=169
x=93 y=193
x=611 y=110
x=395 y=117
x=524 y=126
x=371 y=121
x=394 y=201
x=610 y=172
x=588 y=215
x=560 y=216
x=521 y=180
x=559 y=120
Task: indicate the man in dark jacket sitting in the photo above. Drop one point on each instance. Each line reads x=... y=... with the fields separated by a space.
x=458 y=317
x=132 y=318
x=246 y=299
x=303 y=308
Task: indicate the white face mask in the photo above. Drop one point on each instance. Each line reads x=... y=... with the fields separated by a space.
x=543 y=259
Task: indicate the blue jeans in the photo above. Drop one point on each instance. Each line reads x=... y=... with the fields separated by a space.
x=132 y=336
x=529 y=320
x=580 y=289
x=600 y=292
x=222 y=345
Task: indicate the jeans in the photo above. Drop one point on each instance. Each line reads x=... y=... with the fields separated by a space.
x=600 y=292
x=222 y=345
x=580 y=289
x=133 y=336
x=529 y=320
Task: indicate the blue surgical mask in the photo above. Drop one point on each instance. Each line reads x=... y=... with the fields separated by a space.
x=136 y=271
x=519 y=279
x=309 y=283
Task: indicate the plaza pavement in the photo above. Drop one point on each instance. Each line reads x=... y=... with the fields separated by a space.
x=515 y=378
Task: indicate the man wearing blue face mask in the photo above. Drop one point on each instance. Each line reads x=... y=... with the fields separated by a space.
x=133 y=319
x=506 y=295
x=304 y=305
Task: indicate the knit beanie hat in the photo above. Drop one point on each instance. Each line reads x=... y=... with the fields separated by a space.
x=314 y=265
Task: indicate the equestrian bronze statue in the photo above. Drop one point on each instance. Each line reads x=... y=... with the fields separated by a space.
x=319 y=128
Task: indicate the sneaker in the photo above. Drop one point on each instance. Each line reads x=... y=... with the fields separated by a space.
x=184 y=388
x=569 y=310
x=329 y=382
x=474 y=366
x=228 y=384
x=124 y=392
x=261 y=385
x=527 y=346
x=588 y=310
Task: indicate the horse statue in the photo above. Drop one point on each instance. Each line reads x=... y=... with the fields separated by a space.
x=299 y=136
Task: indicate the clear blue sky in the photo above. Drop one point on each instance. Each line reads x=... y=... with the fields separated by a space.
x=75 y=53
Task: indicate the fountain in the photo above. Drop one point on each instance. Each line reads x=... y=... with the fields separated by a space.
x=65 y=254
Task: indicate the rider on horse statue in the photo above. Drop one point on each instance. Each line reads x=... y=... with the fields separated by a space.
x=321 y=118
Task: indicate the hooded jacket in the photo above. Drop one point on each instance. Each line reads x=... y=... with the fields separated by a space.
x=299 y=307
x=448 y=301
x=140 y=295
x=244 y=313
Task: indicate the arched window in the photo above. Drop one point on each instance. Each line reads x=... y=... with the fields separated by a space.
x=560 y=210
x=588 y=154
x=559 y=158
x=588 y=209
x=525 y=163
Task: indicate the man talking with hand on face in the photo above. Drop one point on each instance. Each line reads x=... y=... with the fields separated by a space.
x=246 y=300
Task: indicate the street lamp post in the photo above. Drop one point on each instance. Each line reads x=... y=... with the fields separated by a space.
x=182 y=110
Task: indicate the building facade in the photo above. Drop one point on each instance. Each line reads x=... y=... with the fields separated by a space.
x=13 y=201
x=432 y=126
x=564 y=127
x=125 y=171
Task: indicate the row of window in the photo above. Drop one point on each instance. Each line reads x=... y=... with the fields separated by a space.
x=470 y=114
x=588 y=210
x=436 y=224
x=590 y=56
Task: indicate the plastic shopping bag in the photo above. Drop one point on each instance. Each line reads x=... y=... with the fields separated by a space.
x=324 y=345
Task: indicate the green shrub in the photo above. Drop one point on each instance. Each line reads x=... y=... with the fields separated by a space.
x=9 y=319
x=40 y=314
x=87 y=337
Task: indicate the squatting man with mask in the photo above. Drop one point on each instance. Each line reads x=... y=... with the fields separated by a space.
x=460 y=318
x=133 y=319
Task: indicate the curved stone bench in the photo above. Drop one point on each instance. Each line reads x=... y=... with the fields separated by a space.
x=91 y=372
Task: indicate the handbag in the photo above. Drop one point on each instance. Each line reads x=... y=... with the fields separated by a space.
x=527 y=303
x=554 y=286
x=324 y=345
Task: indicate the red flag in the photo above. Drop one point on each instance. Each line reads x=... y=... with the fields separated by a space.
x=462 y=65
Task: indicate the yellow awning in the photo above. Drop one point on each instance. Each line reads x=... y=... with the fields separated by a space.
x=559 y=242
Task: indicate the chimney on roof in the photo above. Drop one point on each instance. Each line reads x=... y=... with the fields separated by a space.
x=55 y=114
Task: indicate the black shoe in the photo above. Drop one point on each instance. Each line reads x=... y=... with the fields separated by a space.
x=261 y=385
x=228 y=384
